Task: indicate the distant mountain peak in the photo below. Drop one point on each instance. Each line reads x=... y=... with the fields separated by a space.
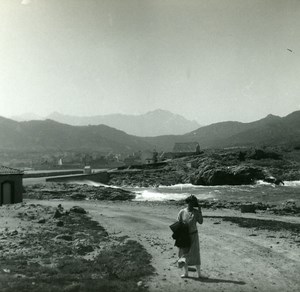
x=271 y=116
x=153 y=123
x=267 y=120
x=159 y=111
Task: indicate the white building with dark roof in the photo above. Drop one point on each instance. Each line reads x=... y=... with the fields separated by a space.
x=11 y=186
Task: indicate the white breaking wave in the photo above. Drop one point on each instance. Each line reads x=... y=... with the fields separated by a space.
x=154 y=196
x=147 y=195
x=295 y=183
x=264 y=183
x=182 y=191
x=189 y=186
x=180 y=186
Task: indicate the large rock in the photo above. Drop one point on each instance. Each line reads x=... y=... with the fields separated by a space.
x=248 y=208
x=77 y=209
x=273 y=180
x=230 y=175
x=258 y=154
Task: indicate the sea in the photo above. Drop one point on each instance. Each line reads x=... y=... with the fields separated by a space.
x=259 y=192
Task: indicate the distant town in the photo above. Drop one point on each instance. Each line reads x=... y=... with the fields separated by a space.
x=96 y=160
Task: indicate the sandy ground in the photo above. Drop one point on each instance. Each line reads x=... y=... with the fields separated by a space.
x=233 y=258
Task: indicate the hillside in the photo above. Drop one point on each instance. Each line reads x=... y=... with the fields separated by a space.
x=154 y=123
x=269 y=131
x=49 y=135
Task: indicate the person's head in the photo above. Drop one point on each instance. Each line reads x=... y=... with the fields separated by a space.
x=192 y=201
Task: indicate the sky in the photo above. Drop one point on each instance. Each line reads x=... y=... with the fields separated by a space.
x=208 y=60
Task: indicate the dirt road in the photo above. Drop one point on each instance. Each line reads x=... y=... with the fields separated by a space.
x=233 y=258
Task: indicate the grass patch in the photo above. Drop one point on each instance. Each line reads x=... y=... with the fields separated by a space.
x=126 y=261
x=51 y=264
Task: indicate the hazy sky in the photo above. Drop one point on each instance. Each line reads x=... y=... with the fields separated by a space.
x=209 y=60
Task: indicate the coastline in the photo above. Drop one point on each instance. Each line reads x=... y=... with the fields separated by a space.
x=246 y=203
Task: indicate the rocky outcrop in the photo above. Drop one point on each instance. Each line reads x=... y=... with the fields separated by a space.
x=214 y=167
x=259 y=154
x=77 y=209
x=286 y=208
x=75 y=192
x=146 y=178
x=221 y=175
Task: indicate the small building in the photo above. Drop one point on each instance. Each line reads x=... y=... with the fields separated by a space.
x=87 y=170
x=11 y=186
x=186 y=149
x=148 y=160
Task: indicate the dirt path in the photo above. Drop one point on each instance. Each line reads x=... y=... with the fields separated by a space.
x=234 y=258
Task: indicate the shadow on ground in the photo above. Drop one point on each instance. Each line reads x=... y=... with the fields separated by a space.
x=216 y=280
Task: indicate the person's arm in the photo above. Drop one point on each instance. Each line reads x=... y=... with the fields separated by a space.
x=179 y=217
x=199 y=216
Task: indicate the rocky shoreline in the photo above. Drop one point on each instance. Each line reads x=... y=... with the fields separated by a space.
x=62 y=191
x=212 y=167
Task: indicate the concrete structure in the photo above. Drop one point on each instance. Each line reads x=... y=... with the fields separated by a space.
x=100 y=177
x=87 y=170
x=11 y=186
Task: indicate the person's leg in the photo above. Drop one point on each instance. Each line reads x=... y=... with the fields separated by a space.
x=198 y=271
x=183 y=261
x=185 y=271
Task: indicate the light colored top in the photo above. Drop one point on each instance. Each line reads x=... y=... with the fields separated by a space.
x=190 y=218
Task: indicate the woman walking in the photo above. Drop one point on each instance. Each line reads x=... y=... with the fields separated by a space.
x=191 y=215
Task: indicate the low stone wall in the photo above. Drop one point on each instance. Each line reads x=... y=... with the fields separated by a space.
x=54 y=173
x=100 y=177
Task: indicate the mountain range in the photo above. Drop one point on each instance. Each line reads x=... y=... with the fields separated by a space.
x=269 y=131
x=153 y=123
x=49 y=135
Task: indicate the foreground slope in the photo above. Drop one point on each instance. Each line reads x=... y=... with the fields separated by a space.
x=233 y=258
